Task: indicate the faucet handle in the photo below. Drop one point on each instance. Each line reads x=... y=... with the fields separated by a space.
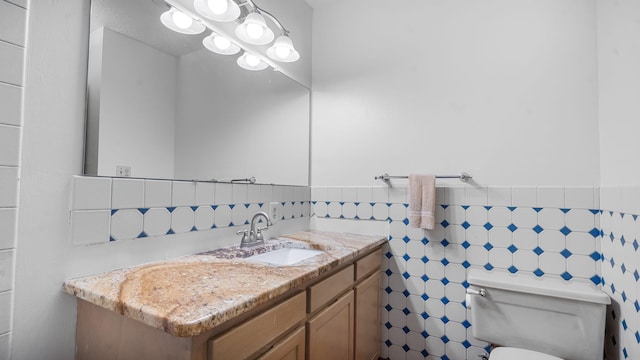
x=245 y=236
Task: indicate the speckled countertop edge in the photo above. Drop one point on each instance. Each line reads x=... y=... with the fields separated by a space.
x=195 y=293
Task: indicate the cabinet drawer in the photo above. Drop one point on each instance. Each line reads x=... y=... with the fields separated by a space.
x=291 y=348
x=244 y=340
x=368 y=263
x=329 y=288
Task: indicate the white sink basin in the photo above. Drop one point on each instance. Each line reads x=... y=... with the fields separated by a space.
x=285 y=256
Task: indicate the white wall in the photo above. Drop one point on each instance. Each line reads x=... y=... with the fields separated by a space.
x=137 y=107
x=12 y=40
x=505 y=90
x=233 y=123
x=619 y=90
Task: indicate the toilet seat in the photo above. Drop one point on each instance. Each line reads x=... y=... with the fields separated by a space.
x=511 y=353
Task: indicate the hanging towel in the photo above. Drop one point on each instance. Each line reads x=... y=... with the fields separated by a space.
x=422 y=201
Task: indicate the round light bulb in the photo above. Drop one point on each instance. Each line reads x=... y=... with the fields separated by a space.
x=218 y=6
x=221 y=42
x=283 y=52
x=252 y=60
x=255 y=31
x=181 y=20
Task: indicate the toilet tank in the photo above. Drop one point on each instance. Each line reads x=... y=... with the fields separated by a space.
x=565 y=319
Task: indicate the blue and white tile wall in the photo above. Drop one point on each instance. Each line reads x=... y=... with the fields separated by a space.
x=13 y=15
x=114 y=209
x=545 y=231
x=621 y=270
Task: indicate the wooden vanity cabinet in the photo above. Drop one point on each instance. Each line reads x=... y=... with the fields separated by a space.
x=330 y=333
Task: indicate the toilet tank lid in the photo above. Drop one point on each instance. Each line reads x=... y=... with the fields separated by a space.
x=541 y=286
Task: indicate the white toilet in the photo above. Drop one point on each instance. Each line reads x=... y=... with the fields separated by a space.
x=529 y=318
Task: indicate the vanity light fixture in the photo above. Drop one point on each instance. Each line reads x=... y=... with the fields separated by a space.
x=251 y=62
x=220 y=45
x=218 y=10
x=282 y=49
x=180 y=22
x=254 y=29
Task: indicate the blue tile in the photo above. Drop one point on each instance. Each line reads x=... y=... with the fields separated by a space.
x=624 y=296
x=170 y=232
x=388 y=343
x=425 y=259
x=444 y=319
x=114 y=211
x=637 y=334
x=565 y=275
x=388 y=290
x=424 y=297
x=444 y=281
x=214 y=207
x=565 y=231
x=512 y=269
x=635 y=244
x=388 y=272
x=565 y=210
x=512 y=248
x=566 y=253
x=488 y=246
x=424 y=353
x=465 y=284
x=424 y=277
x=424 y=316
x=405 y=221
x=406 y=239
x=142 y=235
x=444 y=261
x=406 y=293
x=512 y=227
x=388 y=254
x=465 y=225
x=595 y=256
x=538 y=272
x=388 y=325
x=445 y=242
x=466 y=264
x=623 y=268
x=444 y=223
x=388 y=307
x=406 y=275
x=406 y=311
x=636 y=304
x=466 y=344
x=538 y=229
x=143 y=210
x=488 y=226
x=511 y=208
x=466 y=324
x=445 y=300
x=636 y=275
x=424 y=241
x=488 y=266
x=594 y=232
x=597 y=280
x=488 y=208
x=406 y=348
x=624 y=324
x=537 y=209
x=538 y=250
x=406 y=257
x=444 y=338
x=465 y=244
x=465 y=207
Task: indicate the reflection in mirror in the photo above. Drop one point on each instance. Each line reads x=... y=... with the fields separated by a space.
x=162 y=105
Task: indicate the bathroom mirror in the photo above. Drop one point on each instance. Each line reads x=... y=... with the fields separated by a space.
x=159 y=105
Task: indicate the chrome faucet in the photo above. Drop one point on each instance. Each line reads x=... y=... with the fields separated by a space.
x=254 y=235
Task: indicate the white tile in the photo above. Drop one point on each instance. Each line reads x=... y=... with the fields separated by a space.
x=182 y=220
x=552 y=241
x=349 y=210
x=380 y=211
x=350 y=194
x=631 y=199
x=5 y=346
x=12 y=23
x=477 y=255
x=239 y=214
x=525 y=239
x=318 y=193
x=334 y=209
x=580 y=220
x=475 y=195
x=525 y=260
x=380 y=194
x=499 y=216
x=455 y=195
x=266 y=194
x=7 y=259
x=287 y=210
x=477 y=235
x=127 y=193
x=580 y=243
x=6 y=310
x=223 y=193
x=91 y=193
x=205 y=193
x=8 y=226
x=611 y=198
x=579 y=197
x=157 y=193
x=12 y=57
x=365 y=194
x=551 y=218
x=278 y=193
x=10 y=104
x=334 y=194
x=523 y=196
x=204 y=218
x=183 y=193
x=253 y=193
x=455 y=214
x=8 y=186
x=581 y=266
x=240 y=193
x=396 y=211
x=549 y=196
x=552 y=263
x=9 y=143
x=524 y=217
x=157 y=222
x=499 y=196
x=320 y=209
x=126 y=224
x=289 y=193
x=501 y=237
x=476 y=215
x=500 y=258
x=222 y=216
x=90 y=227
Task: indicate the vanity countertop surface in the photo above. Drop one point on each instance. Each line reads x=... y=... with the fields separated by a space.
x=192 y=294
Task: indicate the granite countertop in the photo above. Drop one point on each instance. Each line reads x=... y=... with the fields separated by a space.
x=192 y=294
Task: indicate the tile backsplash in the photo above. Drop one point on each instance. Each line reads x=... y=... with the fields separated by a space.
x=115 y=209
x=544 y=231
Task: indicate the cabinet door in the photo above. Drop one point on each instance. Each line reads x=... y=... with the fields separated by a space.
x=330 y=333
x=367 y=321
x=291 y=348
